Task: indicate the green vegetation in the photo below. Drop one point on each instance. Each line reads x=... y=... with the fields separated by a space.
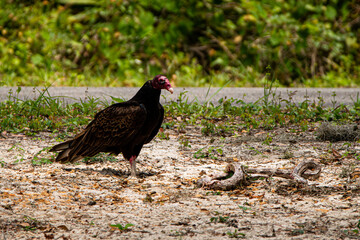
x=219 y=218
x=231 y=116
x=211 y=152
x=120 y=227
x=235 y=234
x=44 y=113
x=243 y=208
x=195 y=43
x=227 y=118
x=39 y=160
x=29 y=223
x=358 y=227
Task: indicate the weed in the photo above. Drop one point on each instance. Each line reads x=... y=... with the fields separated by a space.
x=116 y=99
x=357 y=156
x=358 y=226
x=168 y=125
x=214 y=193
x=219 y=219
x=15 y=146
x=120 y=227
x=235 y=234
x=244 y=208
x=268 y=87
x=184 y=142
x=199 y=154
x=296 y=232
x=355 y=231
x=211 y=152
x=39 y=160
x=163 y=135
x=268 y=139
x=101 y=157
x=208 y=127
x=179 y=234
x=288 y=154
x=148 y=198
x=30 y=224
x=256 y=152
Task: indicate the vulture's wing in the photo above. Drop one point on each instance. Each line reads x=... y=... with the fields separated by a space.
x=116 y=125
x=158 y=125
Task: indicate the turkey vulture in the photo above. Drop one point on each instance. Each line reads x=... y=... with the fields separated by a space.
x=120 y=128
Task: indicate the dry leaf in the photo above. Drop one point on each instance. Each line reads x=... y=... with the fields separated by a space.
x=322 y=210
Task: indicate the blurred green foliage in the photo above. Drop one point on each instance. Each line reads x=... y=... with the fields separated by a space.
x=124 y=42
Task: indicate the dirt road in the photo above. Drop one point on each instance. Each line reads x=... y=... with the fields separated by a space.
x=81 y=201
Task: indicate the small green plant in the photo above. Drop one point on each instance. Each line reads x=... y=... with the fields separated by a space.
x=184 y=142
x=235 y=234
x=15 y=146
x=218 y=218
x=288 y=154
x=209 y=128
x=39 y=160
x=244 y=208
x=268 y=139
x=255 y=151
x=355 y=231
x=101 y=157
x=214 y=193
x=177 y=234
x=333 y=100
x=297 y=232
x=268 y=86
x=30 y=224
x=148 y=198
x=163 y=135
x=199 y=154
x=120 y=227
x=211 y=152
x=357 y=156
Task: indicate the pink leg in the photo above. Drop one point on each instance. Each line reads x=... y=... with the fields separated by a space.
x=132 y=161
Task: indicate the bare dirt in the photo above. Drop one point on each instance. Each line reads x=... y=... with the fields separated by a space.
x=81 y=201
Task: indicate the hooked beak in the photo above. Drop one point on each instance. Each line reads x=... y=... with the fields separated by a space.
x=171 y=90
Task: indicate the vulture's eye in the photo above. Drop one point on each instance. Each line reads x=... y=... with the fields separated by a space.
x=162 y=81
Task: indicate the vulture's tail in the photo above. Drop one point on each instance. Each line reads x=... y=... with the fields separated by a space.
x=65 y=149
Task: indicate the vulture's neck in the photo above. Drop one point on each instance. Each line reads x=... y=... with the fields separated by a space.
x=147 y=94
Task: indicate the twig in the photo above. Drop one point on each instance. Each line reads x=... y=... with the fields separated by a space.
x=226 y=182
x=222 y=45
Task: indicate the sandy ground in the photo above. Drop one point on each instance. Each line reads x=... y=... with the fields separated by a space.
x=81 y=201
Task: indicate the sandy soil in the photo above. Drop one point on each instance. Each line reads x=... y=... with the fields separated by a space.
x=81 y=201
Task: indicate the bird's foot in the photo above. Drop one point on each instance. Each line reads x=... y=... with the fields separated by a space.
x=133 y=176
x=132 y=161
x=133 y=180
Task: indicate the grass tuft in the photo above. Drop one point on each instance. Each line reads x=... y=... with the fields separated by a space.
x=335 y=133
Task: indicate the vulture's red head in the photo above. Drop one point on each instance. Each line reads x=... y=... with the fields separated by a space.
x=161 y=82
